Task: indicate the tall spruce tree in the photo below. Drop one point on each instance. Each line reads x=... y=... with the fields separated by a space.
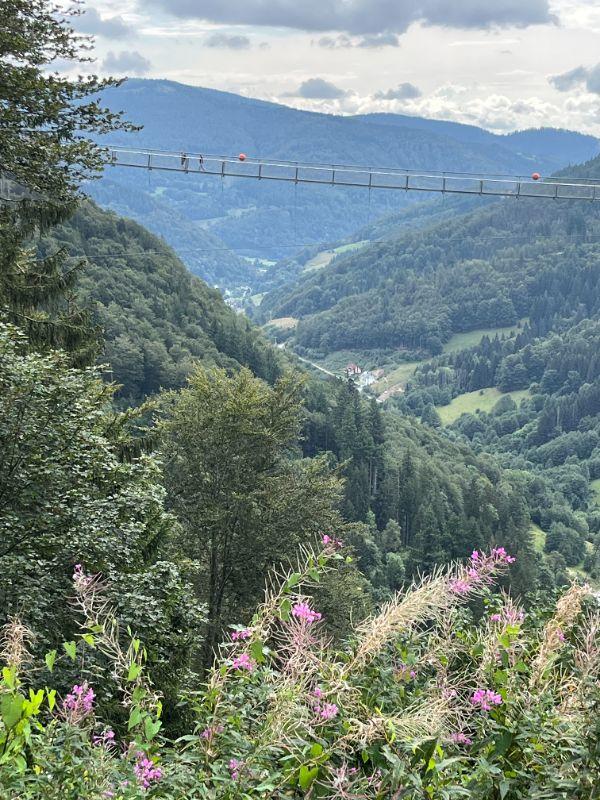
x=45 y=154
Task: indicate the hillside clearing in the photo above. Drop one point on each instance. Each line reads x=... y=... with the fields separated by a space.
x=481 y=400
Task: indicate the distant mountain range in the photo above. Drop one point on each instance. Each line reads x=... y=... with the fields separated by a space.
x=202 y=218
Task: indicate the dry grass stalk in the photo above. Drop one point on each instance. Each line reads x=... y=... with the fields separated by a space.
x=429 y=718
x=14 y=641
x=432 y=599
x=568 y=608
x=574 y=689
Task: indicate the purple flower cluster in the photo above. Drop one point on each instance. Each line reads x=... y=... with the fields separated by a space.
x=243 y=661
x=485 y=699
x=479 y=570
x=245 y=633
x=329 y=541
x=208 y=734
x=80 y=579
x=234 y=768
x=304 y=611
x=79 y=702
x=460 y=738
x=146 y=771
x=105 y=739
x=326 y=711
x=508 y=616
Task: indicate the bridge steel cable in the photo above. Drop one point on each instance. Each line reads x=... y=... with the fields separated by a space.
x=351 y=176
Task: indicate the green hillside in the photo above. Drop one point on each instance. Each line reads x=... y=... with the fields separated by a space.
x=157 y=319
x=486 y=268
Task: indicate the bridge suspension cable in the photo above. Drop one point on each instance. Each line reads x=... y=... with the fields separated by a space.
x=355 y=176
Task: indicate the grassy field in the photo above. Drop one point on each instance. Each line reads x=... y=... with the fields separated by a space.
x=595 y=487
x=482 y=400
x=460 y=341
x=539 y=537
x=283 y=323
x=326 y=256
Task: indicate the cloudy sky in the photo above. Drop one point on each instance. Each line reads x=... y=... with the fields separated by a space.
x=501 y=64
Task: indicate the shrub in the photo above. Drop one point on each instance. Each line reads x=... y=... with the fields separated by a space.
x=421 y=702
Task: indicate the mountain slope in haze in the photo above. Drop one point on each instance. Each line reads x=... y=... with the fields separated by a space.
x=480 y=269
x=272 y=220
x=158 y=319
x=546 y=149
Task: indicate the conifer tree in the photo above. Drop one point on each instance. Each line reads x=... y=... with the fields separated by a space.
x=45 y=154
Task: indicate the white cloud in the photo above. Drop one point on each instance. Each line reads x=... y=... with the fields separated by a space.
x=319 y=89
x=126 y=62
x=228 y=41
x=109 y=27
x=361 y=16
x=404 y=91
x=587 y=77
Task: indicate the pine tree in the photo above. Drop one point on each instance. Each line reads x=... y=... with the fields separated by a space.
x=44 y=158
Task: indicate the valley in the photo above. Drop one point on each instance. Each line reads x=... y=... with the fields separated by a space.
x=299 y=483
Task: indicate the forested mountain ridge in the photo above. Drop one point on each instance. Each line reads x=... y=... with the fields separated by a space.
x=487 y=267
x=270 y=220
x=157 y=319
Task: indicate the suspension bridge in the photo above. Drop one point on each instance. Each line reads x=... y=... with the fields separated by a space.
x=345 y=175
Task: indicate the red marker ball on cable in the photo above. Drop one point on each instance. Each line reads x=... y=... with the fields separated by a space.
x=242 y=156
x=536 y=176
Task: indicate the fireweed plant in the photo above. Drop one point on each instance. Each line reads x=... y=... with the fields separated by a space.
x=421 y=702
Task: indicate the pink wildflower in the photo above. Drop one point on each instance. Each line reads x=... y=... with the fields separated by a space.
x=234 y=768
x=329 y=540
x=213 y=730
x=560 y=635
x=475 y=555
x=460 y=738
x=243 y=661
x=318 y=693
x=326 y=711
x=304 y=611
x=459 y=586
x=496 y=618
x=145 y=770
x=500 y=554
x=80 y=579
x=245 y=633
x=79 y=702
x=485 y=699
x=105 y=739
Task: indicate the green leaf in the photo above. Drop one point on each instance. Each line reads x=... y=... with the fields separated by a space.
x=292 y=581
x=151 y=728
x=504 y=787
x=71 y=650
x=135 y=717
x=307 y=776
x=500 y=677
x=316 y=750
x=89 y=639
x=9 y=677
x=134 y=671
x=51 y=697
x=503 y=742
x=256 y=651
x=11 y=707
x=285 y=610
x=50 y=658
